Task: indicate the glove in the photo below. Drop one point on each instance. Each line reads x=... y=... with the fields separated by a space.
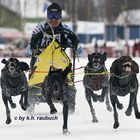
x=74 y=39
x=71 y=77
x=35 y=39
x=36 y=51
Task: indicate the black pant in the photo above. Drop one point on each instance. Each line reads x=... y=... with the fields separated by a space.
x=32 y=62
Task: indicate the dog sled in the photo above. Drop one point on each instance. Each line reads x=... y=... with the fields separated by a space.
x=53 y=56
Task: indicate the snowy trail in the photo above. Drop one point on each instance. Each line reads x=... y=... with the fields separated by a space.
x=79 y=124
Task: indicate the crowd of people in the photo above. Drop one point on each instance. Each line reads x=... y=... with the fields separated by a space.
x=127 y=49
x=116 y=48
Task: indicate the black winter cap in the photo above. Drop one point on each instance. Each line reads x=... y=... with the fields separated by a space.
x=54 y=7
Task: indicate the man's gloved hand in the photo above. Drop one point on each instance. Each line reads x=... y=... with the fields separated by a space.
x=71 y=77
x=34 y=46
x=74 y=39
x=35 y=39
x=36 y=51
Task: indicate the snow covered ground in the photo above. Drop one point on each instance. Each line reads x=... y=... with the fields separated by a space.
x=79 y=124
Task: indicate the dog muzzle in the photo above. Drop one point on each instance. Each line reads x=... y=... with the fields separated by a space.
x=127 y=67
x=96 y=64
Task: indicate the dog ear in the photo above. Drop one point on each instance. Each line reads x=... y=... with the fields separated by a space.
x=114 y=67
x=135 y=67
x=24 y=66
x=4 y=61
x=104 y=56
x=89 y=59
x=90 y=56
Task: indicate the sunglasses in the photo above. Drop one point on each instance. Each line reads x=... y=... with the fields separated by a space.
x=54 y=15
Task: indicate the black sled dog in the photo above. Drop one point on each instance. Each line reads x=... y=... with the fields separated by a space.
x=14 y=83
x=55 y=89
x=123 y=81
x=95 y=79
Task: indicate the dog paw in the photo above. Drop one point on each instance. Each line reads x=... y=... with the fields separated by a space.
x=128 y=112
x=100 y=98
x=95 y=120
x=13 y=105
x=137 y=115
x=8 y=121
x=120 y=106
x=95 y=97
x=116 y=125
x=109 y=108
x=71 y=109
x=24 y=106
x=66 y=132
x=53 y=111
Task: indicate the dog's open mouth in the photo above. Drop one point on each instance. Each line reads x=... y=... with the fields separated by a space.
x=12 y=71
x=96 y=64
x=127 y=67
x=11 y=68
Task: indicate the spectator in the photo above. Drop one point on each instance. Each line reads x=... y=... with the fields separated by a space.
x=96 y=47
x=136 y=48
x=119 y=48
x=127 y=48
x=103 y=48
x=80 y=51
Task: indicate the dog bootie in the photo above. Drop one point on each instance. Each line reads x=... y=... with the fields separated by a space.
x=101 y=98
x=66 y=132
x=13 y=105
x=53 y=111
x=95 y=97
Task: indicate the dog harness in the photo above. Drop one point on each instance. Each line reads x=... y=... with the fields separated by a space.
x=123 y=90
x=13 y=85
x=96 y=81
